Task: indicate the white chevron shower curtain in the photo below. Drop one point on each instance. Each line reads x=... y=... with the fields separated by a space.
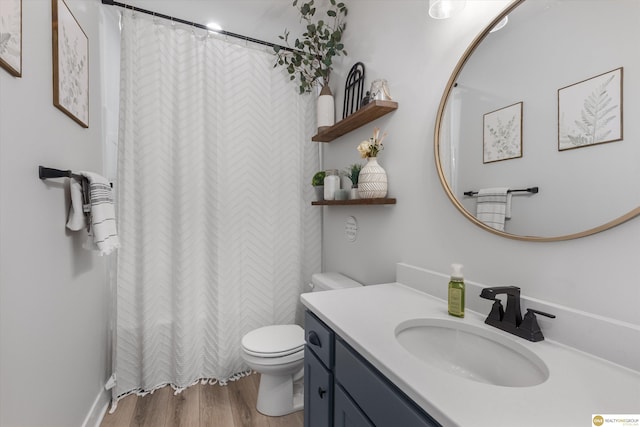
x=217 y=230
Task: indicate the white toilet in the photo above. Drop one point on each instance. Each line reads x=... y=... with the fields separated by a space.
x=277 y=353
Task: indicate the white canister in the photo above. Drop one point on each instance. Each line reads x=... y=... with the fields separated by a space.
x=326 y=115
x=331 y=184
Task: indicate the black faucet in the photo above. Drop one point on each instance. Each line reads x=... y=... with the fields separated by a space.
x=510 y=320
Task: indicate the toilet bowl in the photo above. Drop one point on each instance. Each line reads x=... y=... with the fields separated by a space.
x=277 y=353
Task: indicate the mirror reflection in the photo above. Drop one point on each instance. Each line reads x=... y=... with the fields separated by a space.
x=548 y=101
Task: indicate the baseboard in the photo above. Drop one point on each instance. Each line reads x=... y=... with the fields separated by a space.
x=599 y=336
x=98 y=409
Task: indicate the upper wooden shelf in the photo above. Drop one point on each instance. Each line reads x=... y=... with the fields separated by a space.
x=364 y=115
x=385 y=201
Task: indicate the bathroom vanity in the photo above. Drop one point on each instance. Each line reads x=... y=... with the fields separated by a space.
x=343 y=388
x=363 y=370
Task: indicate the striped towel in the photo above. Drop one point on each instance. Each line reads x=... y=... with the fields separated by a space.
x=103 y=218
x=493 y=207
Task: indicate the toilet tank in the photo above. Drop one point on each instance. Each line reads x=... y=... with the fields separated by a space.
x=330 y=281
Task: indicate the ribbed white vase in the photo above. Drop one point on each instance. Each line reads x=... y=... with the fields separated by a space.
x=372 y=181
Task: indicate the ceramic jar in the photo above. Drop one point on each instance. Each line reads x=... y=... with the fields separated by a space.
x=372 y=181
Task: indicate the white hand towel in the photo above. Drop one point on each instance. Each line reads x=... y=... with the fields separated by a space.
x=103 y=218
x=493 y=207
x=77 y=220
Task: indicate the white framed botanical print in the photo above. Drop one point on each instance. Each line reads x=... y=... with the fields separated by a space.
x=502 y=134
x=590 y=111
x=70 y=64
x=11 y=36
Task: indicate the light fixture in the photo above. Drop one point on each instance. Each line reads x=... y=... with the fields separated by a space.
x=500 y=25
x=443 y=9
x=214 y=26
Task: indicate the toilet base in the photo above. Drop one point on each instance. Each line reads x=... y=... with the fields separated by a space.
x=279 y=395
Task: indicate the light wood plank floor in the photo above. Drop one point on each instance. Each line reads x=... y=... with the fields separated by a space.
x=233 y=405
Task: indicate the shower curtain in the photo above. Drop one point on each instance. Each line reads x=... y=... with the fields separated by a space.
x=217 y=229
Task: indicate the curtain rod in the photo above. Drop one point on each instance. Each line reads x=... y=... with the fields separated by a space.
x=195 y=24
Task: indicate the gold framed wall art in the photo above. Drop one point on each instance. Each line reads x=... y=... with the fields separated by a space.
x=502 y=139
x=11 y=36
x=590 y=111
x=70 y=64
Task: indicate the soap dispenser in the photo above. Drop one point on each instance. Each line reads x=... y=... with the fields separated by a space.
x=456 y=291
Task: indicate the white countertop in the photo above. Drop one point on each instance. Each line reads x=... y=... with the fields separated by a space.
x=578 y=386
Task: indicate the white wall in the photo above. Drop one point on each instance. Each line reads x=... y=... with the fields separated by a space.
x=54 y=357
x=397 y=40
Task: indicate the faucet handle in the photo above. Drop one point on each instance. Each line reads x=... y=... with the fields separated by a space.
x=529 y=328
x=542 y=313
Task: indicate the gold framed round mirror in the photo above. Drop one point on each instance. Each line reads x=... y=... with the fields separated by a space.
x=516 y=114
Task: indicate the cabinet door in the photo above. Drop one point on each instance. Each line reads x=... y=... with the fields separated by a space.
x=318 y=392
x=347 y=413
x=383 y=402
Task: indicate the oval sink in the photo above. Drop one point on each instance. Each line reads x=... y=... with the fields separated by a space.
x=472 y=352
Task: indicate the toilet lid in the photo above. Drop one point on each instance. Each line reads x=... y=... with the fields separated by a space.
x=274 y=341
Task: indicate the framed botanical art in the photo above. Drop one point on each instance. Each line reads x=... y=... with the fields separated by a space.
x=502 y=134
x=70 y=64
x=590 y=111
x=11 y=36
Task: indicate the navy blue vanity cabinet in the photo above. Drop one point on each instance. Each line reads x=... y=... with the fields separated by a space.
x=346 y=412
x=318 y=392
x=384 y=404
x=318 y=375
x=342 y=389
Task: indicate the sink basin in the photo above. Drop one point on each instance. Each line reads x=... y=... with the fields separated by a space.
x=472 y=352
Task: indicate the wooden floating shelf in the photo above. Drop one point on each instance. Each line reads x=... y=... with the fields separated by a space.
x=364 y=115
x=385 y=201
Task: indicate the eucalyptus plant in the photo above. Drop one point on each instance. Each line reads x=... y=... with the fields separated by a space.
x=311 y=57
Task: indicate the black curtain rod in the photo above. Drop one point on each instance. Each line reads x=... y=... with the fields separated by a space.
x=195 y=24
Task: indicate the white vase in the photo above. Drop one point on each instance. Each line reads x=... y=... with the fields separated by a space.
x=354 y=193
x=372 y=181
x=326 y=115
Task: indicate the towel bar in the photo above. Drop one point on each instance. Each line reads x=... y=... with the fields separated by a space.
x=532 y=190
x=46 y=173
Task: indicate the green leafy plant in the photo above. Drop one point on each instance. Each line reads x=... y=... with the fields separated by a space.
x=353 y=172
x=318 y=178
x=311 y=59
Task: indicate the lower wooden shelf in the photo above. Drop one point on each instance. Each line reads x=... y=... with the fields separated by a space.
x=385 y=201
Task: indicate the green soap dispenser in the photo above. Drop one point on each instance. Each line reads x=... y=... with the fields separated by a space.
x=456 y=291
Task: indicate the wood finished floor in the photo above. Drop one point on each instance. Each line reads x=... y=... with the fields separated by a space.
x=233 y=405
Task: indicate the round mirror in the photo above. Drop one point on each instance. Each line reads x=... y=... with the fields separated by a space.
x=531 y=140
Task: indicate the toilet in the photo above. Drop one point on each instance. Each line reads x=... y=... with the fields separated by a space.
x=277 y=353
